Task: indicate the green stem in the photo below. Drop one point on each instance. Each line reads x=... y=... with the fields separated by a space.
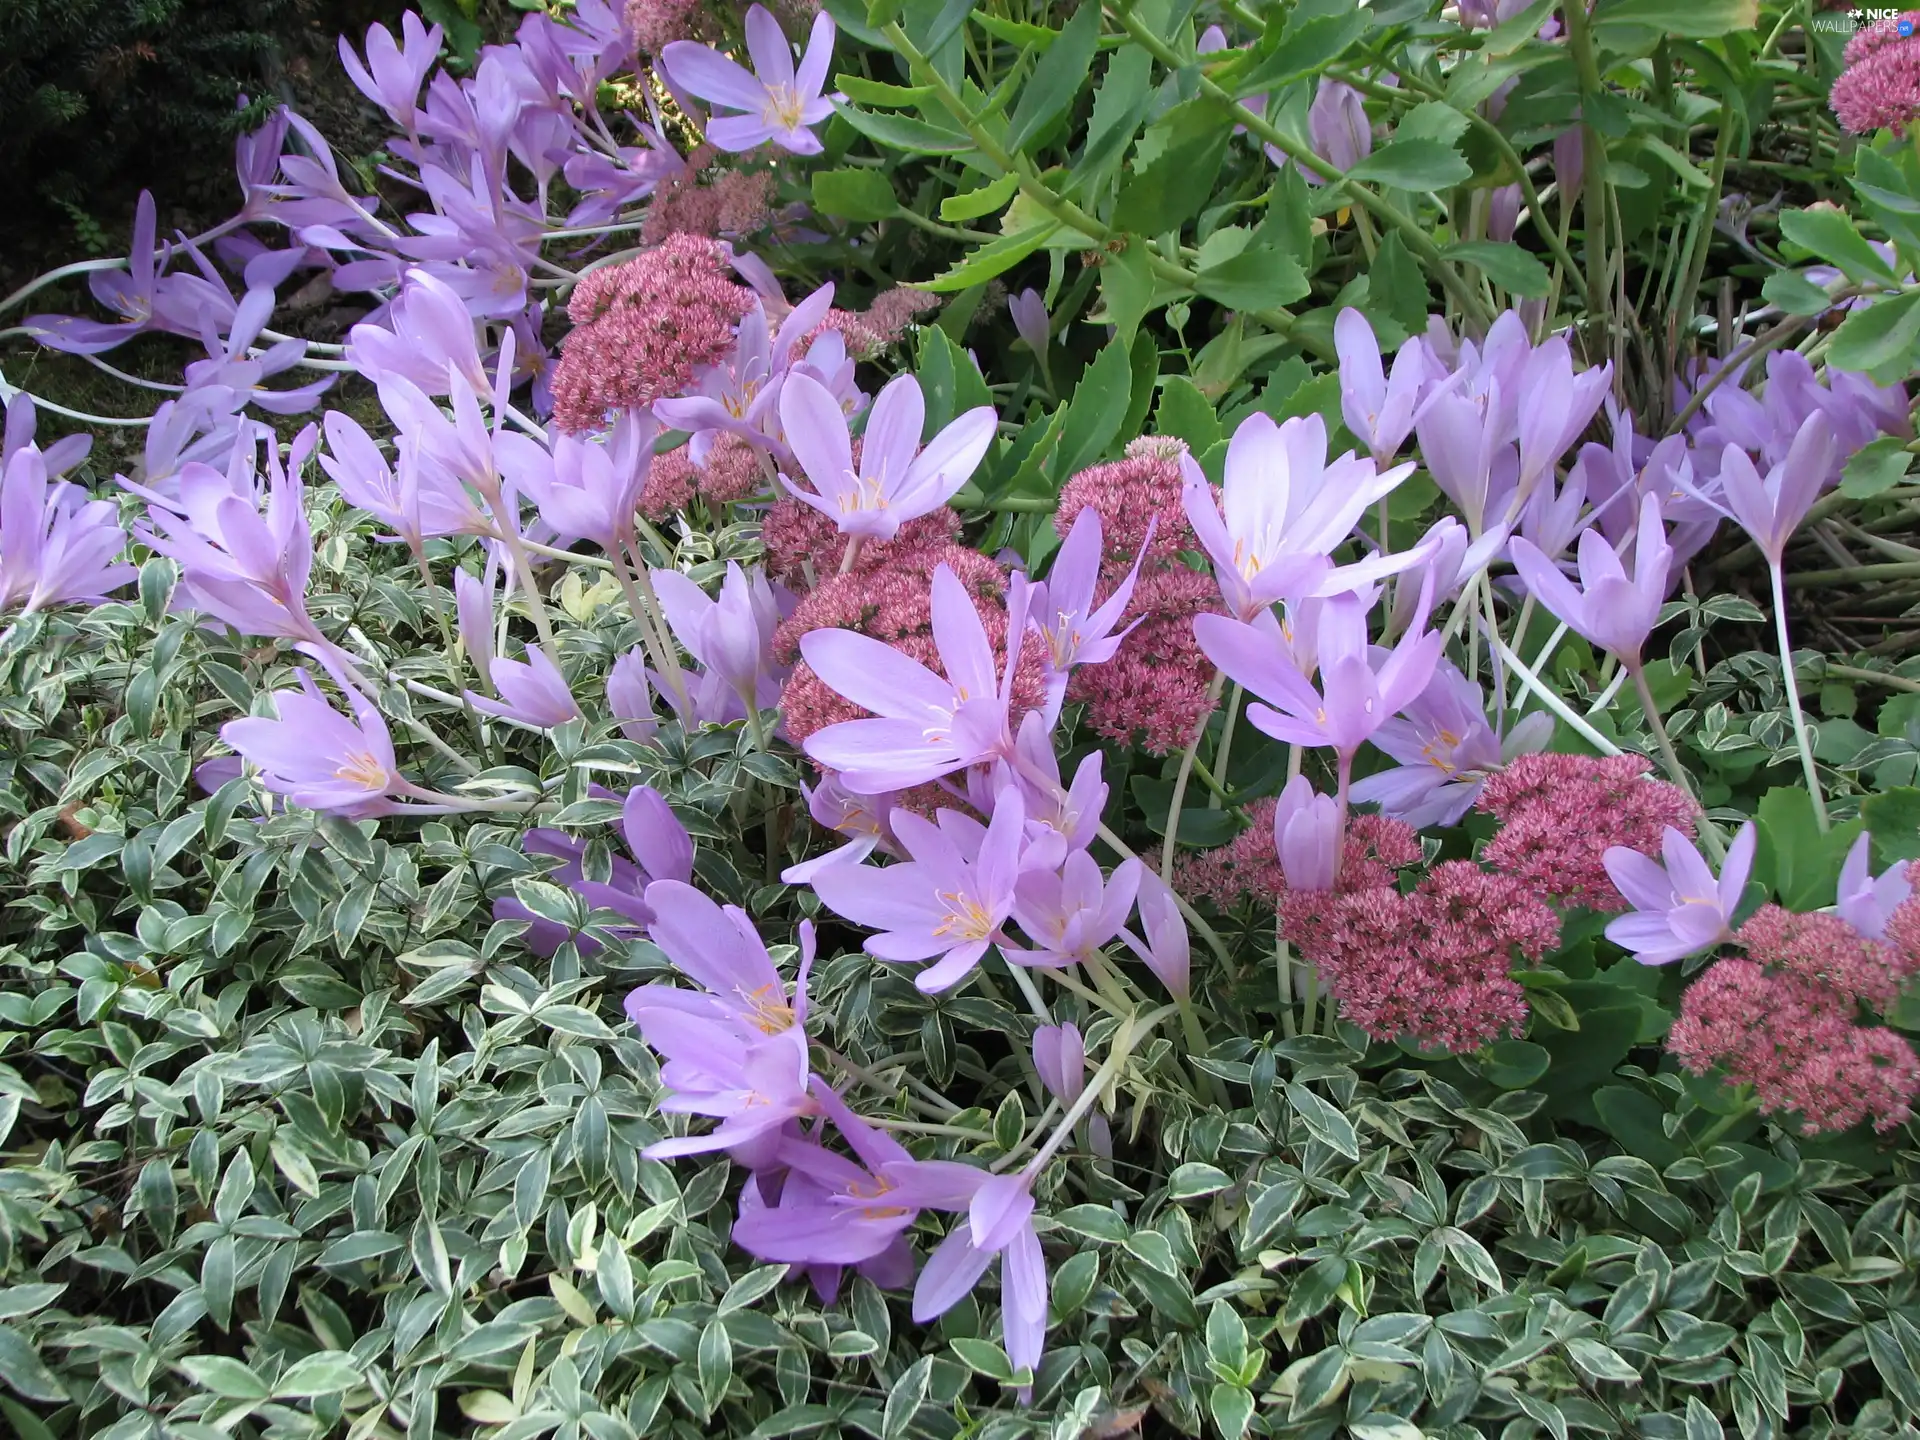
x=1793 y=698
x=1184 y=774
x=1224 y=751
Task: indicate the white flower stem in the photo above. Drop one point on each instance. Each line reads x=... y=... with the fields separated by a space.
x=1126 y=1039
x=1793 y=696
x=1185 y=774
x=1551 y=700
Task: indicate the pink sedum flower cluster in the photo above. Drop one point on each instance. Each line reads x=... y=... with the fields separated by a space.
x=1785 y=1020
x=1880 y=88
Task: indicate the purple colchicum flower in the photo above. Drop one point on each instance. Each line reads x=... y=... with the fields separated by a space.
x=1338 y=128
x=1076 y=632
x=948 y=901
x=532 y=692
x=861 y=818
x=586 y=489
x=736 y=1049
x=1072 y=812
x=1164 y=946
x=1307 y=836
x=130 y=294
x=1770 y=510
x=1281 y=513
x=999 y=1222
x=1611 y=611
x=21 y=420
x=473 y=610
x=731 y=637
x=426 y=329
x=778 y=103
x=1358 y=692
x=57 y=546
x=394 y=72
x=317 y=757
x=661 y=850
x=1866 y=901
x=1030 y=321
x=1379 y=408
x=1679 y=908
x=897 y=481
x=741 y=394
x=1446 y=750
x=630 y=698
x=1070 y=913
x=926 y=725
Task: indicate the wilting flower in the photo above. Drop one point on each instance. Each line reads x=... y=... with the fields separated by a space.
x=57 y=546
x=778 y=103
x=1613 y=612
x=928 y=725
x=949 y=900
x=317 y=757
x=897 y=481
x=1867 y=902
x=1281 y=513
x=1679 y=908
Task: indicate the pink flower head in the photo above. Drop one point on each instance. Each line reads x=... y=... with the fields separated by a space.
x=1359 y=690
x=56 y=545
x=1281 y=513
x=1771 y=510
x=1612 y=611
x=1446 y=750
x=317 y=757
x=1070 y=913
x=927 y=725
x=1163 y=945
x=1866 y=902
x=777 y=103
x=1306 y=836
x=1880 y=88
x=1679 y=908
x=949 y=900
x=897 y=481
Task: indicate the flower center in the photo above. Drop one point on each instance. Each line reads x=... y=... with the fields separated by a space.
x=768 y=1010
x=865 y=493
x=358 y=767
x=784 y=107
x=879 y=1186
x=966 y=918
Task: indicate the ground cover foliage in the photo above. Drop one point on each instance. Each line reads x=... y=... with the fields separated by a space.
x=1287 y=625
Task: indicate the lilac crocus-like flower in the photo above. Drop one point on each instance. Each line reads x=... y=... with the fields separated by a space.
x=129 y=293
x=1281 y=513
x=731 y=637
x=1446 y=750
x=1611 y=611
x=1338 y=128
x=1071 y=812
x=1030 y=321
x=426 y=329
x=317 y=757
x=412 y=500
x=1306 y=836
x=630 y=698
x=1070 y=913
x=1679 y=908
x=738 y=1051
x=1164 y=945
x=949 y=900
x=17 y=435
x=473 y=609
x=1555 y=405
x=1077 y=632
x=587 y=489
x=1060 y=1055
x=833 y=1211
x=778 y=103
x=661 y=850
x=897 y=481
x=1379 y=408
x=861 y=818
x=1867 y=901
x=1359 y=690
x=927 y=725
x=394 y=72
x=999 y=1222
x=1770 y=510
x=57 y=546
x=532 y=691
x=740 y=395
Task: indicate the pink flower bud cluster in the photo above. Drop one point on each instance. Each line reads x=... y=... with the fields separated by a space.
x=656 y=24
x=732 y=203
x=644 y=329
x=1153 y=692
x=882 y=325
x=730 y=472
x=1430 y=966
x=1560 y=813
x=804 y=545
x=1880 y=88
x=1784 y=1019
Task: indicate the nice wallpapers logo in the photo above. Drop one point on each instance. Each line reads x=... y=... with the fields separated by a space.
x=1851 y=20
